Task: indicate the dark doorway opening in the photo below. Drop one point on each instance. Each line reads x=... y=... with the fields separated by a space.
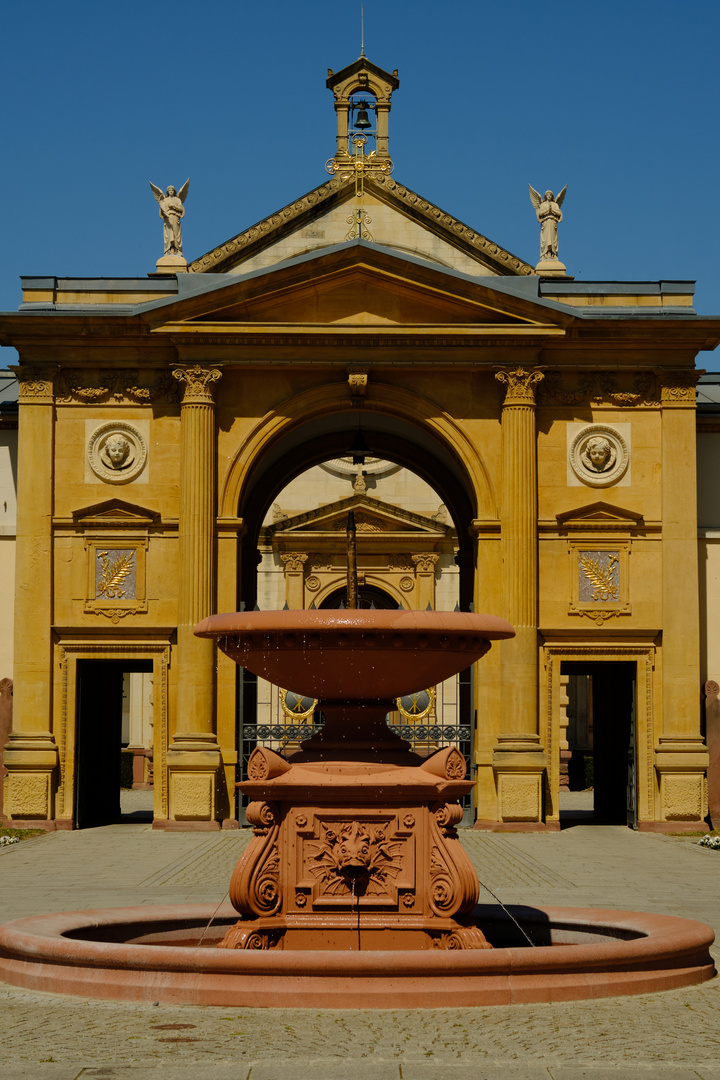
x=99 y=741
x=601 y=737
x=369 y=596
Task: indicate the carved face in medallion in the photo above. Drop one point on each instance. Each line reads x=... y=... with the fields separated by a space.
x=599 y=454
x=117 y=449
x=117 y=452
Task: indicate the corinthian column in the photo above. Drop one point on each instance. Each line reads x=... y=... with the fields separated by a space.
x=31 y=755
x=518 y=758
x=194 y=755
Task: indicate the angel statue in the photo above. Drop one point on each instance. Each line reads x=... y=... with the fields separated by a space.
x=171 y=211
x=549 y=215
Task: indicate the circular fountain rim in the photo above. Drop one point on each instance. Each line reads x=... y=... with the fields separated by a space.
x=37 y=952
x=362 y=620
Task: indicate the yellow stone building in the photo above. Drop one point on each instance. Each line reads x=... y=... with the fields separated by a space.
x=161 y=417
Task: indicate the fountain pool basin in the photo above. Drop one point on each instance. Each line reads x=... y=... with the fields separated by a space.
x=150 y=954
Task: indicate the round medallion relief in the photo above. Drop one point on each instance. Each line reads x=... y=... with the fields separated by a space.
x=117 y=452
x=599 y=455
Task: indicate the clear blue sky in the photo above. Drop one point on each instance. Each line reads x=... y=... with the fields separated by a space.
x=617 y=99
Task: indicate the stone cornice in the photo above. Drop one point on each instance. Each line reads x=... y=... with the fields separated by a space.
x=215 y=261
x=442 y=223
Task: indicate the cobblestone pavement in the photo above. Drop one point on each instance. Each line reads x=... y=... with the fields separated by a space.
x=674 y=1035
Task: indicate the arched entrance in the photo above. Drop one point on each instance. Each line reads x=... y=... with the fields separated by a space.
x=277 y=717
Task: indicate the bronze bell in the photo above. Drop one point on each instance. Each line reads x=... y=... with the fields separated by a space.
x=363 y=121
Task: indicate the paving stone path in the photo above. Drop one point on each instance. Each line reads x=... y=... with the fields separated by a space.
x=674 y=1035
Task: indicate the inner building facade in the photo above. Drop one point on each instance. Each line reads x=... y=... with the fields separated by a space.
x=184 y=448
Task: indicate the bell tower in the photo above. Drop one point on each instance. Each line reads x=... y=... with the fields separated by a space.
x=362 y=104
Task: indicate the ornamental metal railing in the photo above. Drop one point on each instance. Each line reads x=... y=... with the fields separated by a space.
x=429 y=720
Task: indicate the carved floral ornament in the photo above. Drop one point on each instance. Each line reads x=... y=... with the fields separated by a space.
x=115 y=387
x=198 y=383
x=520 y=385
x=117 y=452
x=643 y=389
x=599 y=455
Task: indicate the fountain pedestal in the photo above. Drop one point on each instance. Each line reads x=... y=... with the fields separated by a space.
x=352 y=855
x=355 y=844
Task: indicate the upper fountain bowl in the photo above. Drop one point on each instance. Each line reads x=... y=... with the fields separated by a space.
x=360 y=654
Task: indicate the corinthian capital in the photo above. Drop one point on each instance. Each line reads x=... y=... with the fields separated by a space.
x=520 y=385
x=426 y=562
x=293 y=562
x=198 y=382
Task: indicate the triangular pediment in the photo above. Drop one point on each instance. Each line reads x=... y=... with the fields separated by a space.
x=373 y=517
x=358 y=284
x=599 y=515
x=114 y=512
x=397 y=217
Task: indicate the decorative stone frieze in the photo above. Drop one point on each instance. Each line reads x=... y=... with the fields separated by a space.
x=602 y=387
x=116 y=387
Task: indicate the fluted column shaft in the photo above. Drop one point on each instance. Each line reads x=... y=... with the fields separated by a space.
x=519 y=548
x=196 y=656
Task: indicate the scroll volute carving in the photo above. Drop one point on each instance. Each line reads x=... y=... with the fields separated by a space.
x=454 y=888
x=448 y=763
x=265 y=764
x=255 y=882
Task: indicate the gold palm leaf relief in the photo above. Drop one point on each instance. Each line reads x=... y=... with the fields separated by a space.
x=601 y=577
x=114 y=572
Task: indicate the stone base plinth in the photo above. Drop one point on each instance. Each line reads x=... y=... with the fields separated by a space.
x=681 y=766
x=193 y=763
x=551 y=268
x=31 y=762
x=355 y=854
x=519 y=764
x=171 y=264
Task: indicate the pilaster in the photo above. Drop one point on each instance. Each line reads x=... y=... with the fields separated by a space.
x=681 y=758
x=294 y=567
x=31 y=755
x=425 y=565
x=518 y=758
x=194 y=753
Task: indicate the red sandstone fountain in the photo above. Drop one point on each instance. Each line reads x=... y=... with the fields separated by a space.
x=355 y=890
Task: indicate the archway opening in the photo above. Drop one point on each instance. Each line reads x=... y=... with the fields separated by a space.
x=411 y=554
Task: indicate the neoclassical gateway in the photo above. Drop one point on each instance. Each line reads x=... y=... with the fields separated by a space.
x=356 y=342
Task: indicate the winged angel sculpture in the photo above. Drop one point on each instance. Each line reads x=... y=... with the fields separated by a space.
x=172 y=209
x=549 y=215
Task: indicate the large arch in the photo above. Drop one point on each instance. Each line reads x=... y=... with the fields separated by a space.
x=398 y=424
